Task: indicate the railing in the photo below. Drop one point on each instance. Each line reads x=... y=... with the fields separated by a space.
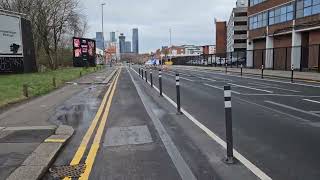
x=303 y=58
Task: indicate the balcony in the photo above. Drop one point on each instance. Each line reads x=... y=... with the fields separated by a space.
x=240 y=28
x=241 y=19
x=240 y=36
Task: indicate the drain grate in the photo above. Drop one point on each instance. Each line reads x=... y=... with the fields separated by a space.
x=74 y=171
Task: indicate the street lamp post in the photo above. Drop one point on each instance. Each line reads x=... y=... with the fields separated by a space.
x=103 y=4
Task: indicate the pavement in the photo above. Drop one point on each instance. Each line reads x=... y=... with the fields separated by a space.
x=308 y=76
x=31 y=128
x=275 y=122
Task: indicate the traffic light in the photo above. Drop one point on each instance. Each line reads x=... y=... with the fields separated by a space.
x=14 y=48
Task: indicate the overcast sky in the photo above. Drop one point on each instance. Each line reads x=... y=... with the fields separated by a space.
x=191 y=21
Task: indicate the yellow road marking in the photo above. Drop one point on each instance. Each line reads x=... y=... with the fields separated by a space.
x=84 y=143
x=54 y=140
x=97 y=139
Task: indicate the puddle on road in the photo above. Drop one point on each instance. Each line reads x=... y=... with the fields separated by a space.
x=79 y=109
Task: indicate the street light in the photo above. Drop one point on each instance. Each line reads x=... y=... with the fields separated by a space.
x=103 y=4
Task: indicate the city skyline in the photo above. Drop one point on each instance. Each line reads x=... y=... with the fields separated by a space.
x=154 y=27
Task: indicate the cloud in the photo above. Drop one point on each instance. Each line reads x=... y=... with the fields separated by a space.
x=192 y=22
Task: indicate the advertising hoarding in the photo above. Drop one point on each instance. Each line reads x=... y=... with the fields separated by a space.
x=10 y=36
x=84 y=52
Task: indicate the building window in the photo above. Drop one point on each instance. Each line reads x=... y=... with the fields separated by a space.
x=281 y=14
x=307 y=8
x=254 y=2
x=258 y=21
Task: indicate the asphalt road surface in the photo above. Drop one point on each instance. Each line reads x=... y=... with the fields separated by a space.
x=275 y=123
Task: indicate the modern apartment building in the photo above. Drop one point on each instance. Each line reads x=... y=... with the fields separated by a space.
x=122 y=43
x=237 y=28
x=100 y=40
x=135 y=40
x=284 y=33
x=128 y=47
x=113 y=37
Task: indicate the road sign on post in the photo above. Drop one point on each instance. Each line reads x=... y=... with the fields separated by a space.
x=228 y=117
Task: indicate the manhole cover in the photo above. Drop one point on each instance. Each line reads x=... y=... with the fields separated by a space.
x=67 y=171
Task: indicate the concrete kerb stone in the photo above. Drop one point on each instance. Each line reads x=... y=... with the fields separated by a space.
x=35 y=166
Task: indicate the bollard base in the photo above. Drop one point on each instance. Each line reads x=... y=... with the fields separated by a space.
x=179 y=113
x=230 y=160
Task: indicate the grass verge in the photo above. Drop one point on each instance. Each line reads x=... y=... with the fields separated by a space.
x=11 y=86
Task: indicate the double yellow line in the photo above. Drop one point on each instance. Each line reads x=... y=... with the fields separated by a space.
x=103 y=111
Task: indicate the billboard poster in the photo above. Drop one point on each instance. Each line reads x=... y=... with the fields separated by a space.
x=10 y=36
x=84 y=52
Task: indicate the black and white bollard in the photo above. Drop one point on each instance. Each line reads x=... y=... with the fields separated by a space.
x=292 y=70
x=178 y=94
x=146 y=75
x=142 y=73
x=241 y=69
x=228 y=115
x=151 y=79
x=262 y=69
x=226 y=67
x=160 y=82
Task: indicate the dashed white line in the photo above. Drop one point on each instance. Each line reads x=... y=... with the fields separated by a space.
x=311 y=101
x=272 y=87
x=207 y=79
x=180 y=77
x=247 y=87
x=292 y=108
x=220 y=88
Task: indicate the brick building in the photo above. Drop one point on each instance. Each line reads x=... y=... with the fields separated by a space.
x=221 y=38
x=283 y=33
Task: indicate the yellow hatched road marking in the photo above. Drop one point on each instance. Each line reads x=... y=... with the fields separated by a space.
x=84 y=143
x=97 y=139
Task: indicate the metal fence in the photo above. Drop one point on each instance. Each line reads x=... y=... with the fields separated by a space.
x=304 y=58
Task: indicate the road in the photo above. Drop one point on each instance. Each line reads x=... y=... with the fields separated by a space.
x=275 y=123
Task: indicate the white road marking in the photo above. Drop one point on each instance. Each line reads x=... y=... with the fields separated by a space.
x=175 y=155
x=311 y=101
x=270 y=80
x=207 y=79
x=292 y=108
x=220 y=88
x=247 y=87
x=272 y=87
x=180 y=77
x=283 y=95
x=254 y=169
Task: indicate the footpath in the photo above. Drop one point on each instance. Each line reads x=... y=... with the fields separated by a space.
x=305 y=76
x=32 y=133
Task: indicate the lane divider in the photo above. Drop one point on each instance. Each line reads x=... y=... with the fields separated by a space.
x=254 y=169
